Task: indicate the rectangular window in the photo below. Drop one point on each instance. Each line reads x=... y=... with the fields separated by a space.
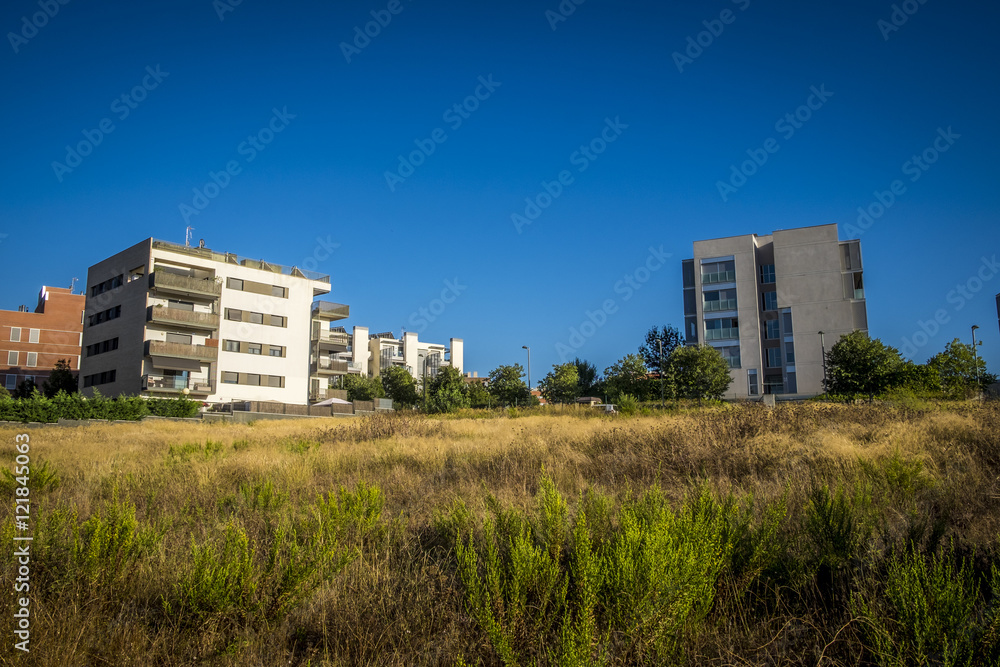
x=790 y=354
x=15 y=334
x=256 y=318
x=276 y=351
x=232 y=346
x=791 y=386
x=254 y=348
x=99 y=378
x=731 y=354
x=281 y=292
x=786 y=322
x=184 y=339
x=230 y=378
x=274 y=380
x=234 y=314
x=106 y=315
x=722 y=328
x=773 y=357
x=32 y=335
x=770 y=300
x=752 y=388
x=718 y=272
x=12 y=358
x=110 y=284
x=32 y=359
x=11 y=383
x=277 y=321
x=235 y=283
x=766 y=274
x=772 y=330
x=253 y=379
x=180 y=305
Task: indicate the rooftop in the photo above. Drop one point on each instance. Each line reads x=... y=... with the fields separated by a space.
x=231 y=258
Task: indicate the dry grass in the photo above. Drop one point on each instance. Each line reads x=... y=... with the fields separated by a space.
x=400 y=601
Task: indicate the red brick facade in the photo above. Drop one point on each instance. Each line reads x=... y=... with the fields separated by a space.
x=32 y=343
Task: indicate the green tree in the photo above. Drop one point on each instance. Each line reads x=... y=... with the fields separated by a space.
x=957 y=369
x=699 y=372
x=25 y=389
x=587 y=372
x=859 y=365
x=507 y=386
x=561 y=384
x=362 y=387
x=479 y=396
x=669 y=336
x=447 y=391
x=919 y=378
x=400 y=386
x=628 y=375
x=60 y=379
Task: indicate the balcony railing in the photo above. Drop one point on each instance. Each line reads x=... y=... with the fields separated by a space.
x=722 y=334
x=721 y=304
x=719 y=277
x=174 y=383
x=733 y=362
x=327 y=310
x=179 y=317
x=160 y=348
x=331 y=337
x=163 y=281
x=329 y=366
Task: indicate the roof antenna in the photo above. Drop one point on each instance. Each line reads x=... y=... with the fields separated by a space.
x=72 y=285
x=187 y=236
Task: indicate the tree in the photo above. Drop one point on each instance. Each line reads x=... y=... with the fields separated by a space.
x=479 y=396
x=400 y=386
x=958 y=370
x=628 y=375
x=506 y=385
x=699 y=372
x=25 y=389
x=920 y=378
x=362 y=387
x=60 y=379
x=447 y=391
x=857 y=364
x=587 y=373
x=561 y=383
x=669 y=336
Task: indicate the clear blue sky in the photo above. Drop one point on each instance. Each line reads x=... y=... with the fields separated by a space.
x=609 y=68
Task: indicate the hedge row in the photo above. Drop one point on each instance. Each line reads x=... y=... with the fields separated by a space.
x=74 y=406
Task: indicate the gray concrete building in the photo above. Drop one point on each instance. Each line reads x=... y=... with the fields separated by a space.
x=771 y=305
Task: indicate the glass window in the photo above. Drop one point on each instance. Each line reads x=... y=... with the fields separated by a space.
x=786 y=323
x=254 y=348
x=184 y=339
x=718 y=272
x=32 y=359
x=235 y=283
x=253 y=379
x=32 y=335
x=753 y=388
x=274 y=380
x=770 y=300
x=12 y=358
x=276 y=351
x=281 y=292
x=791 y=386
x=15 y=334
x=772 y=330
x=230 y=378
x=232 y=346
x=790 y=353
x=277 y=321
x=766 y=274
x=11 y=382
x=773 y=357
x=256 y=318
x=233 y=314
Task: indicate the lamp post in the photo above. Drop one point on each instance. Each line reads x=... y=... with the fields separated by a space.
x=822 y=345
x=975 y=357
x=525 y=347
x=662 y=396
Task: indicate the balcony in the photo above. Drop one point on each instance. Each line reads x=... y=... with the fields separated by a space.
x=328 y=367
x=176 y=384
x=720 y=305
x=171 y=283
x=722 y=334
x=732 y=362
x=159 y=348
x=327 y=337
x=190 y=319
x=719 y=277
x=329 y=311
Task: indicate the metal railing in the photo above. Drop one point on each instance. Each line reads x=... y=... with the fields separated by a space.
x=722 y=334
x=187 y=284
x=332 y=337
x=162 y=348
x=175 y=383
x=721 y=304
x=187 y=318
x=718 y=277
x=329 y=366
x=232 y=258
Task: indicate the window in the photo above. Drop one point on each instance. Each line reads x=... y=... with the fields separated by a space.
x=32 y=359
x=32 y=335
x=180 y=305
x=102 y=347
x=722 y=328
x=254 y=348
x=183 y=339
x=232 y=346
x=766 y=274
x=770 y=300
x=786 y=322
x=15 y=334
x=718 y=272
x=731 y=354
x=790 y=354
x=235 y=283
x=99 y=378
x=772 y=330
x=281 y=292
x=277 y=321
x=29 y=378
x=276 y=351
x=275 y=381
x=791 y=386
x=752 y=388
x=12 y=358
x=773 y=357
x=256 y=318
x=104 y=316
x=234 y=314
x=11 y=383
x=230 y=378
x=253 y=379
x=110 y=284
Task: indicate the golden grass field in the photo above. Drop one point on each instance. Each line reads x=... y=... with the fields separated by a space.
x=107 y=589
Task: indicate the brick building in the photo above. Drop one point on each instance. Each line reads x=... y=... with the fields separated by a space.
x=32 y=342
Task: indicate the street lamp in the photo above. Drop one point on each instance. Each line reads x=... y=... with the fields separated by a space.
x=975 y=357
x=822 y=345
x=662 y=399
x=525 y=347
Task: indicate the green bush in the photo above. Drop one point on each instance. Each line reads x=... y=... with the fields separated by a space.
x=628 y=404
x=38 y=408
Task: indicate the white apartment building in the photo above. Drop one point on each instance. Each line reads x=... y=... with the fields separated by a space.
x=163 y=319
x=773 y=304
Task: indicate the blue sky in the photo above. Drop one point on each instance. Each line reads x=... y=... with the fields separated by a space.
x=641 y=138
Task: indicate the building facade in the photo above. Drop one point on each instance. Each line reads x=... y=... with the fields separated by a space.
x=164 y=319
x=773 y=304
x=32 y=342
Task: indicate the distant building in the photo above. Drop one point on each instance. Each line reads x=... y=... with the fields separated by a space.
x=763 y=302
x=32 y=342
